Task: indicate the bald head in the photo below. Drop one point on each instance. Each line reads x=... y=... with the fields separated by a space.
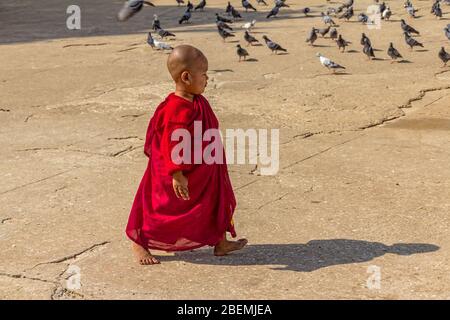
x=184 y=58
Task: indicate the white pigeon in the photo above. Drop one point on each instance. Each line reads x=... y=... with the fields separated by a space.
x=328 y=63
x=249 y=25
x=161 y=45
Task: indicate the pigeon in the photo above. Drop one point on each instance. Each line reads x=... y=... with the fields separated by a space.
x=247 y=5
x=312 y=36
x=435 y=4
x=411 y=11
x=228 y=8
x=189 y=5
x=235 y=13
x=273 y=12
x=411 y=42
x=180 y=2
x=275 y=47
x=327 y=19
x=224 y=33
x=249 y=38
x=281 y=3
x=186 y=16
x=444 y=56
x=341 y=43
x=348 y=14
x=382 y=7
x=130 y=8
x=447 y=31
x=164 y=33
x=156 y=24
x=261 y=2
x=323 y=31
x=249 y=25
x=219 y=18
x=348 y=4
x=333 y=34
x=437 y=11
x=368 y=51
x=386 y=15
x=241 y=52
x=223 y=25
x=407 y=28
x=201 y=5
x=365 y=39
x=363 y=18
x=159 y=45
x=330 y=65
x=393 y=53
x=305 y=11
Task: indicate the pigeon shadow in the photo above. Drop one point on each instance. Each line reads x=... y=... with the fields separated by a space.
x=352 y=51
x=233 y=41
x=282 y=53
x=321 y=46
x=221 y=70
x=251 y=60
x=422 y=50
x=308 y=257
x=404 y=61
x=378 y=59
x=377 y=50
x=256 y=45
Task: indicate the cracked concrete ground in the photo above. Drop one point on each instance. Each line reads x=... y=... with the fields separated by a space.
x=363 y=179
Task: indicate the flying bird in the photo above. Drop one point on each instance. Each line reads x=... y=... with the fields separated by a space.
x=130 y=8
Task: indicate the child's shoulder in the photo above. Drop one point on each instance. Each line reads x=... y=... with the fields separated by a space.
x=177 y=109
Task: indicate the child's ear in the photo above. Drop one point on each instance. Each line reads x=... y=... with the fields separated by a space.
x=186 y=77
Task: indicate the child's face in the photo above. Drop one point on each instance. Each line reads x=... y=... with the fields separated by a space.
x=196 y=80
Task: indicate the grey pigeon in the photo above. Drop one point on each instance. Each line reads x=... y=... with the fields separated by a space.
x=365 y=39
x=341 y=43
x=228 y=8
x=348 y=4
x=411 y=42
x=327 y=19
x=180 y=2
x=201 y=5
x=386 y=14
x=247 y=5
x=223 y=25
x=368 y=51
x=312 y=37
x=156 y=24
x=186 y=16
x=164 y=33
x=447 y=31
x=333 y=34
x=410 y=10
x=275 y=47
x=189 y=5
x=130 y=8
x=235 y=13
x=281 y=3
x=241 y=52
x=330 y=65
x=382 y=7
x=407 y=28
x=363 y=18
x=323 y=31
x=222 y=19
x=348 y=14
x=273 y=12
x=437 y=11
x=393 y=53
x=224 y=33
x=249 y=38
x=444 y=56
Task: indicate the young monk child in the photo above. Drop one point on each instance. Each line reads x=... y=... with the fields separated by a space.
x=182 y=206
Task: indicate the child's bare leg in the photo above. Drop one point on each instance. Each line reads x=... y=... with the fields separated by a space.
x=225 y=246
x=143 y=255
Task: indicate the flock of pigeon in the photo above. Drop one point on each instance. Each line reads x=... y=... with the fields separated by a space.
x=344 y=11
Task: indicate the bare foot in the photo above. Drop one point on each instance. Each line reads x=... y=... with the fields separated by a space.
x=143 y=256
x=224 y=247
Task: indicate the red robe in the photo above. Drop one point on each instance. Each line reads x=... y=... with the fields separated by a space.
x=158 y=219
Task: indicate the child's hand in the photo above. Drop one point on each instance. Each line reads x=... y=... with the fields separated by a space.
x=180 y=185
